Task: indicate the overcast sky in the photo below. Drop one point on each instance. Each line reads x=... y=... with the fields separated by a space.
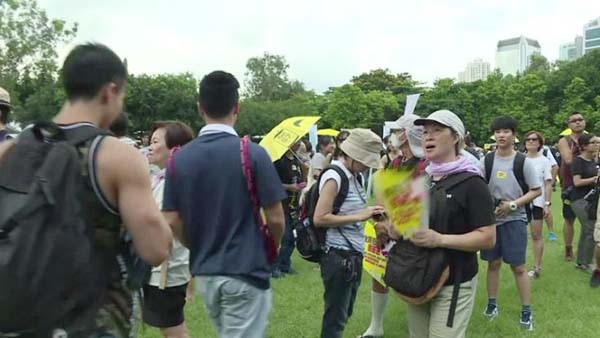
x=326 y=42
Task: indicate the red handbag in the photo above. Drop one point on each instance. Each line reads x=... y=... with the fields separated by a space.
x=270 y=244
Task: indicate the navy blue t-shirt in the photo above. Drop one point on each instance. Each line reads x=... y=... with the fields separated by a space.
x=208 y=189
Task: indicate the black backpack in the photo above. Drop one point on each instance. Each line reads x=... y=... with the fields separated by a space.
x=417 y=274
x=310 y=239
x=48 y=270
x=518 y=170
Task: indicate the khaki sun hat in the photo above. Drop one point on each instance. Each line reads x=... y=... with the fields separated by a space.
x=4 y=98
x=363 y=146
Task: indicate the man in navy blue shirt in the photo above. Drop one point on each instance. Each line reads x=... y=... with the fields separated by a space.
x=207 y=202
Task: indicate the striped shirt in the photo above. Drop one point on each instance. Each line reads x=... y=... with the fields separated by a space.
x=355 y=202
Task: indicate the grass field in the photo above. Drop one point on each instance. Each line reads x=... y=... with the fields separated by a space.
x=563 y=303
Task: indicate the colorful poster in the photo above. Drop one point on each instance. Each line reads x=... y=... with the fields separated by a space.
x=374 y=260
x=405 y=199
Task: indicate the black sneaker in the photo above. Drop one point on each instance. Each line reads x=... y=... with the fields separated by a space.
x=581 y=266
x=290 y=272
x=526 y=320
x=595 y=281
x=491 y=312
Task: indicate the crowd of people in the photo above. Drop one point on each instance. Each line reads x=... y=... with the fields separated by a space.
x=194 y=218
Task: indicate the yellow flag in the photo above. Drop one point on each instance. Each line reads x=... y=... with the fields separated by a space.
x=405 y=199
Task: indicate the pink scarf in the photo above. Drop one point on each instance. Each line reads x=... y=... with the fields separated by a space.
x=461 y=165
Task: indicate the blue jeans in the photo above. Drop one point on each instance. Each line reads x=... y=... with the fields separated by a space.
x=288 y=243
x=236 y=308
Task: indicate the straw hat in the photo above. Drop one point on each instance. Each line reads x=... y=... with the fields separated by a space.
x=363 y=146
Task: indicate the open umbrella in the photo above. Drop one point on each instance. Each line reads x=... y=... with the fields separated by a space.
x=278 y=141
x=328 y=132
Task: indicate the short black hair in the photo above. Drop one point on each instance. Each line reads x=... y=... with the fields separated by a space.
x=571 y=115
x=585 y=139
x=120 y=126
x=324 y=141
x=504 y=122
x=88 y=68
x=218 y=93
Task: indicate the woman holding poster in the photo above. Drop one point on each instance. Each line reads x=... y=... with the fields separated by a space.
x=469 y=227
x=406 y=137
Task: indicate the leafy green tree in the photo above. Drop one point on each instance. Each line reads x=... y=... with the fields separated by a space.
x=259 y=117
x=267 y=79
x=349 y=107
x=28 y=42
x=384 y=80
x=162 y=97
x=28 y=68
x=525 y=102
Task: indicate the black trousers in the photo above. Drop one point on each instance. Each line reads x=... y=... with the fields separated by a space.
x=340 y=293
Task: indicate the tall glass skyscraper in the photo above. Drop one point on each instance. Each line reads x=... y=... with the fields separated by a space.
x=514 y=55
x=572 y=50
x=591 y=36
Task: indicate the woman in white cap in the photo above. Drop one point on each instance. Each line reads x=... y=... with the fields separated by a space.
x=341 y=265
x=406 y=137
x=469 y=220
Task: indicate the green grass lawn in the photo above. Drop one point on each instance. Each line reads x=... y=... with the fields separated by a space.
x=563 y=303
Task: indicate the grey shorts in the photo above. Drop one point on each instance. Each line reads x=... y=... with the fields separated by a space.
x=511 y=244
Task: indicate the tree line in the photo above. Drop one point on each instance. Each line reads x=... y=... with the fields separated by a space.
x=540 y=99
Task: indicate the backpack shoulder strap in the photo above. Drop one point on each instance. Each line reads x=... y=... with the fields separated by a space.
x=421 y=166
x=489 y=165
x=345 y=185
x=519 y=171
x=454 y=180
x=48 y=130
x=395 y=163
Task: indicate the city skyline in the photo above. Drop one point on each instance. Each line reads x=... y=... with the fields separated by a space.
x=325 y=43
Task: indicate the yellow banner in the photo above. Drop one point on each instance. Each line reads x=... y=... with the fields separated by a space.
x=374 y=261
x=404 y=197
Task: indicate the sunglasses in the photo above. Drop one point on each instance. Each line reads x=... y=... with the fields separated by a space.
x=532 y=139
x=576 y=120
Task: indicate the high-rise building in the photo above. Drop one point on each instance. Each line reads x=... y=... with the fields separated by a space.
x=514 y=55
x=572 y=50
x=475 y=71
x=591 y=36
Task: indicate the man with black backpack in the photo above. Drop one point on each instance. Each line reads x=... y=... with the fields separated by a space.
x=66 y=187
x=514 y=184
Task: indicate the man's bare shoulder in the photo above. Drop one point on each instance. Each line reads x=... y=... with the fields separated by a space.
x=120 y=158
x=4 y=146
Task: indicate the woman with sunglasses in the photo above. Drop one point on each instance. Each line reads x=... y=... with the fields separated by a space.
x=534 y=142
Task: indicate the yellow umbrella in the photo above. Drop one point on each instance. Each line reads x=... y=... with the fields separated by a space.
x=566 y=132
x=328 y=132
x=278 y=141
